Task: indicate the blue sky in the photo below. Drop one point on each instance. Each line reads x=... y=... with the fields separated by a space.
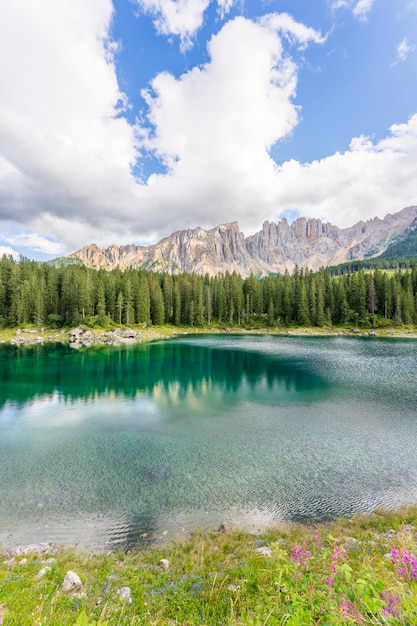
x=124 y=121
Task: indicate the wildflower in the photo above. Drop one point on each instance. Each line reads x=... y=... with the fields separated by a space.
x=300 y=555
x=346 y=609
x=391 y=600
x=405 y=562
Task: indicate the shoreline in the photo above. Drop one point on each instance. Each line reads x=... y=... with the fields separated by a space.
x=85 y=337
x=359 y=570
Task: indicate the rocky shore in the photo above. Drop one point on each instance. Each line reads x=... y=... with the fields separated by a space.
x=78 y=338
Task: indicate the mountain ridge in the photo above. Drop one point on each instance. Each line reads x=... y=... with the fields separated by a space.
x=278 y=246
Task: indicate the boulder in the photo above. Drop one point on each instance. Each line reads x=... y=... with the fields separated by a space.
x=125 y=594
x=72 y=582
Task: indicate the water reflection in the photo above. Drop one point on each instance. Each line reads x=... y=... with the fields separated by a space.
x=170 y=372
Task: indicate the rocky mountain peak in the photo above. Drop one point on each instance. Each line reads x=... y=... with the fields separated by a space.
x=278 y=246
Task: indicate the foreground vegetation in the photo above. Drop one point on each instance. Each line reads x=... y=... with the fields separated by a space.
x=60 y=297
x=357 y=571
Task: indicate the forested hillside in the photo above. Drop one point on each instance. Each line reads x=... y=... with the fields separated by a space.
x=41 y=294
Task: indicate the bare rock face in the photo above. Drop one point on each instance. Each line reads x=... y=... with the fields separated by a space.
x=308 y=243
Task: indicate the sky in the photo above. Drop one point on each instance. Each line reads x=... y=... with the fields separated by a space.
x=123 y=121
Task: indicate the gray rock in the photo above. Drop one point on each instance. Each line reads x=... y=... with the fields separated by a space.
x=33 y=548
x=351 y=543
x=129 y=333
x=263 y=551
x=72 y=582
x=75 y=333
x=23 y=561
x=43 y=571
x=125 y=594
x=164 y=563
x=409 y=528
x=276 y=247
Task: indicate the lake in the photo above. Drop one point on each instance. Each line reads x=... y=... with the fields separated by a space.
x=112 y=447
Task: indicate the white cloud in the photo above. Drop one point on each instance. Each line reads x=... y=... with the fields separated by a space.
x=65 y=157
x=178 y=17
x=215 y=125
x=36 y=242
x=62 y=148
x=224 y=7
x=362 y=8
x=403 y=50
x=8 y=251
x=359 y=8
x=343 y=187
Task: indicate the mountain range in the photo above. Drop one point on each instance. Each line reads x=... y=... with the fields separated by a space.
x=280 y=246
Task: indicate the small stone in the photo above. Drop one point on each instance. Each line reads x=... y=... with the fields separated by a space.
x=223 y=527
x=23 y=562
x=10 y=563
x=43 y=571
x=263 y=551
x=351 y=543
x=164 y=563
x=50 y=561
x=72 y=582
x=409 y=528
x=125 y=594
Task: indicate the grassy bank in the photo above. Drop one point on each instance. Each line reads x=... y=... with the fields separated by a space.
x=357 y=571
x=32 y=334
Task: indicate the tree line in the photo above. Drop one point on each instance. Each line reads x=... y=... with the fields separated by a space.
x=45 y=295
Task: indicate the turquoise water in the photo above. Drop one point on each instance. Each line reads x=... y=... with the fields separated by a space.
x=114 y=446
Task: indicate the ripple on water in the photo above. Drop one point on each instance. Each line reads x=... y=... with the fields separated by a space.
x=116 y=448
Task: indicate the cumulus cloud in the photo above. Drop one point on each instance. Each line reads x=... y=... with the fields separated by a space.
x=176 y=17
x=341 y=188
x=214 y=126
x=8 y=251
x=66 y=155
x=182 y=18
x=36 y=242
x=63 y=148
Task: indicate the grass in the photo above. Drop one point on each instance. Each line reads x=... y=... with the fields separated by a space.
x=350 y=571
